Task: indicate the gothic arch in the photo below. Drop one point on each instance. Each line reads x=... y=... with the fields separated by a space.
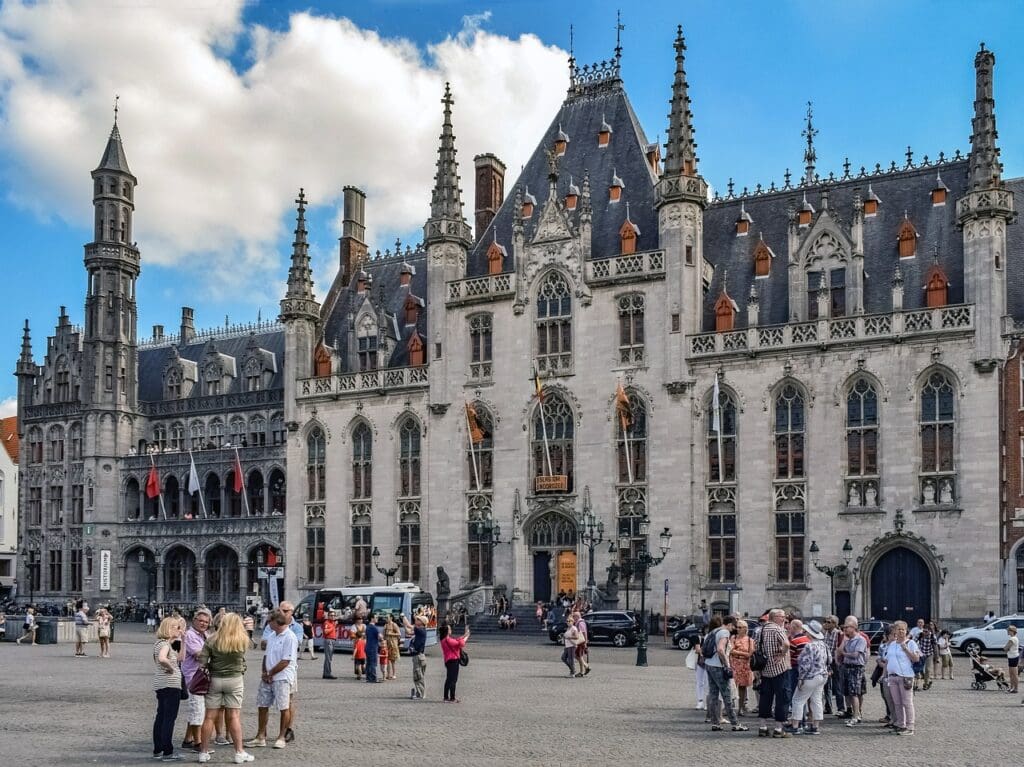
x=922 y=375
x=175 y=545
x=215 y=543
x=882 y=545
x=398 y=420
x=530 y=410
x=549 y=514
x=313 y=423
x=354 y=423
x=842 y=389
x=772 y=392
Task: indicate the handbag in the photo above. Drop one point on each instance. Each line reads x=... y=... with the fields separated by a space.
x=463 y=658
x=200 y=682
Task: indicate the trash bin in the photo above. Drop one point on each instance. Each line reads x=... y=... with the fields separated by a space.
x=47 y=632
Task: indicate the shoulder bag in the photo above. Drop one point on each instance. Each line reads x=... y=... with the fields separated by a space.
x=758 y=660
x=463 y=658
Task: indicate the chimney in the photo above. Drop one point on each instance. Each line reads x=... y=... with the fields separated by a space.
x=490 y=190
x=188 y=330
x=353 y=233
x=405 y=275
x=158 y=332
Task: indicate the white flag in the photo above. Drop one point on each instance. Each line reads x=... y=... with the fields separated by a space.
x=716 y=410
x=193 y=476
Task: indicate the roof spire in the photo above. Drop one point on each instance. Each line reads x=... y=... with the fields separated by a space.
x=680 y=154
x=810 y=156
x=572 y=56
x=299 y=302
x=985 y=169
x=116 y=99
x=446 y=220
x=113 y=155
x=619 y=26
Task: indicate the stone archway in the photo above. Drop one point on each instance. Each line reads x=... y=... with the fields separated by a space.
x=900 y=576
x=553 y=539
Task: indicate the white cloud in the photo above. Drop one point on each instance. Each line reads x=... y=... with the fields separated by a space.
x=8 y=407
x=220 y=153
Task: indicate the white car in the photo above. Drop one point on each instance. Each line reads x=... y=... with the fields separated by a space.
x=991 y=636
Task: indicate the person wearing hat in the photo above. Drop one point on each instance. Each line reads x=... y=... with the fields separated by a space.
x=812 y=673
x=417 y=648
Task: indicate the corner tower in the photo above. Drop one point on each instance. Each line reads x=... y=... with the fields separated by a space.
x=983 y=214
x=112 y=267
x=682 y=196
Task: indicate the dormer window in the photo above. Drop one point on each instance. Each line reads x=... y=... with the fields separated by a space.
x=805 y=213
x=871 y=203
x=417 y=355
x=907 y=239
x=367 y=344
x=572 y=196
x=604 y=135
x=253 y=375
x=762 y=259
x=529 y=203
x=412 y=310
x=615 y=188
x=628 y=233
x=495 y=258
x=211 y=379
x=743 y=222
x=174 y=385
x=561 y=141
x=322 y=362
x=936 y=287
x=940 y=191
x=725 y=313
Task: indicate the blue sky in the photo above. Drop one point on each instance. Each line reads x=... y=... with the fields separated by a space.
x=262 y=97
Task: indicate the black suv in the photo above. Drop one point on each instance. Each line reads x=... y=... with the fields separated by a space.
x=619 y=627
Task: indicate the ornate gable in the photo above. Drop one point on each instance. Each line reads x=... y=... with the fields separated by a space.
x=825 y=242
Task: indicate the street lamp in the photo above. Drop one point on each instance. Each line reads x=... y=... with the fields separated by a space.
x=592 y=535
x=150 y=569
x=832 y=570
x=30 y=567
x=387 y=572
x=640 y=565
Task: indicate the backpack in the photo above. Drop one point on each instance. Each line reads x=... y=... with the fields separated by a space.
x=709 y=647
x=758 y=660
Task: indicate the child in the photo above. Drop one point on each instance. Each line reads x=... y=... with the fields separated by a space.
x=359 y=653
x=945 y=654
x=382 y=659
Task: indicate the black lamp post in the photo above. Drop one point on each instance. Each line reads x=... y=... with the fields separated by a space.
x=150 y=569
x=387 y=572
x=832 y=570
x=640 y=565
x=592 y=535
x=30 y=568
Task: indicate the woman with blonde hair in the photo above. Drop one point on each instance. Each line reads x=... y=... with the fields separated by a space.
x=103 y=621
x=223 y=656
x=167 y=686
x=739 y=662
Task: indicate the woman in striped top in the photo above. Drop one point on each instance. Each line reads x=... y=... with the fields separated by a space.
x=167 y=685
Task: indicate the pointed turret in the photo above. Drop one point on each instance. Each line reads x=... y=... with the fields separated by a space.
x=26 y=365
x=114 y=158
x=446 y=222
x=680 y=148
x=298 y=302
x=986 y=170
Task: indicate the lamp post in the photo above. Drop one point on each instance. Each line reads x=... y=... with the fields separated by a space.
x=387 y=572
x=150 y=569
x=30 y=568
x=592 y=535
x=640 y=565
x=625 y=564
x=832 y=570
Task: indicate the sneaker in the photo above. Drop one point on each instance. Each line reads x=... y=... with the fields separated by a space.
x=256 y=743
x=740 y=728
x=812 y=731
x=762 y=732
x=279 y=743
x=222 y=741
x=716 y=728
x=781 y=734
x=905 y=732
x=791 y=730
x=204 y=757
x=412 y=694
x=854 y=721
x=175 y=757
x=188 y=744
x=241 y=757
x=289 y=735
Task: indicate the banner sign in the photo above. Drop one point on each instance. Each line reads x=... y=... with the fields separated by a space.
x=105 y=570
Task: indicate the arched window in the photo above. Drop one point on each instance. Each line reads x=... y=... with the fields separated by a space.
x=789 y=433
x=725 y=313
x=173 y=384
x=409 y=458
x=257 y=431
x=160 y=436
x=554 y=324
x=409 y=545
x=235 y=500
x=63 y=380
x=222 y=577
x=362 y=462
x=236 y=432
x=177 y=438
x=217 y=432
x=76 y=441
x=862 y=444
x=212 y=492
x=256 y=501
x=55 y=444
x=180 y=574
x=722 y=439
x=631 y=329
x=315 y=456
x=480 y=338
x=553 y=435
x=278 y=493
x=631 y=447
x=938 y=412
x=906 y=239
x=762 y=259
x=132 y=500
x=277 y=431
x=35 y=445
x=417 y=354
x=722 y=535
x=172 y=497
x=212 y=378
x=481 y=457
x=197 y=433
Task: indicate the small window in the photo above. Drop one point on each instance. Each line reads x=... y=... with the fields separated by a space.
x=627 y=237
x=725 y=313
x=495 y=258
x=907 y=239
x=936 y=288
x=417 y=355
x=689 y=255
x=677 y=324
x=762 y=259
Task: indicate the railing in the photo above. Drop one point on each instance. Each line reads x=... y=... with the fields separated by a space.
x=865 y=328
x=214 y=526
x=211 y=402
x=635 y=267
x=479 y=289
x=380 y=381
x=218 y=456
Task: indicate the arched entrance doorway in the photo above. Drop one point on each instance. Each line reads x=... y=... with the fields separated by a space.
x=553 y=539
x=901 y=586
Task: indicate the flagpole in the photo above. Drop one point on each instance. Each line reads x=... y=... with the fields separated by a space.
x=160 y=488
x=543 y=420
x=472 y=452
x=238 y=468
x=629 y=457
x=199 y=489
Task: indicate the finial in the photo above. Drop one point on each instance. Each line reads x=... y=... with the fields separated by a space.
x=116 y=99
x=301 y=201
x=572 y=56
x=627 y=210
x=910 y=157
x=619 y=26
x=846 y=167
x=810 y=156
x=729 y=186
x=787 y=176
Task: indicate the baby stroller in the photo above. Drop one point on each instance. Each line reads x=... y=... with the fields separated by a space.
x=985 y=672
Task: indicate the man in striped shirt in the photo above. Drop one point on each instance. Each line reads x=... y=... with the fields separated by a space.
x=775 y=688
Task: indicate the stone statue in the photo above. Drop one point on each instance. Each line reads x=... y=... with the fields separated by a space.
x=611 y=587
x=443 y=584
x=853 y=497
x=871 y=495
x=946 y=492
x=929 y=493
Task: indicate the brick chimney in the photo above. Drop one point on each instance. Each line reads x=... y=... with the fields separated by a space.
x=188 y=329
x=490 y=190
x=353 y=233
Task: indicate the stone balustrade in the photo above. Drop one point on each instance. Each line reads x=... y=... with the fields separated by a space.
x=375 y=381
x=480 y=289
x=634 y=267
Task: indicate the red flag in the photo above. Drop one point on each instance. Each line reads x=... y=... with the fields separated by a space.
x=237 y=487
x=271 y=558
x=152 y=483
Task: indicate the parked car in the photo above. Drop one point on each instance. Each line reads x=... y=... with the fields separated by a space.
x=687 y=637
x=875 y=631
x=991 y=636
x=619 y=627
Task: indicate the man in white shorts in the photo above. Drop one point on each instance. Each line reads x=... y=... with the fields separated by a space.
x=277 y=681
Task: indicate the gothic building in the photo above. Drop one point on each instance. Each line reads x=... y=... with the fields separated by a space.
x=811 y=374
x=112 y=426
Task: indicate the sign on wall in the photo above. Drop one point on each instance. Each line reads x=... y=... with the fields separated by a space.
x=104 y=569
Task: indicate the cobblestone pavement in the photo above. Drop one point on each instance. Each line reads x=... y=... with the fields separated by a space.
x=519 y=708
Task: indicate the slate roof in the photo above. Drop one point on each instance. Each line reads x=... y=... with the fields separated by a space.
x=153 y=361
x=386 y=292
x=9 y=436
x=580 y=117
x=901 y=191
x=113 y=156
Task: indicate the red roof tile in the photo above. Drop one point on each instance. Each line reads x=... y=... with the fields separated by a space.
x=9 y=436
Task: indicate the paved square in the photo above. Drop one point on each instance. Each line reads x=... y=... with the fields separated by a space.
x=519 y=708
